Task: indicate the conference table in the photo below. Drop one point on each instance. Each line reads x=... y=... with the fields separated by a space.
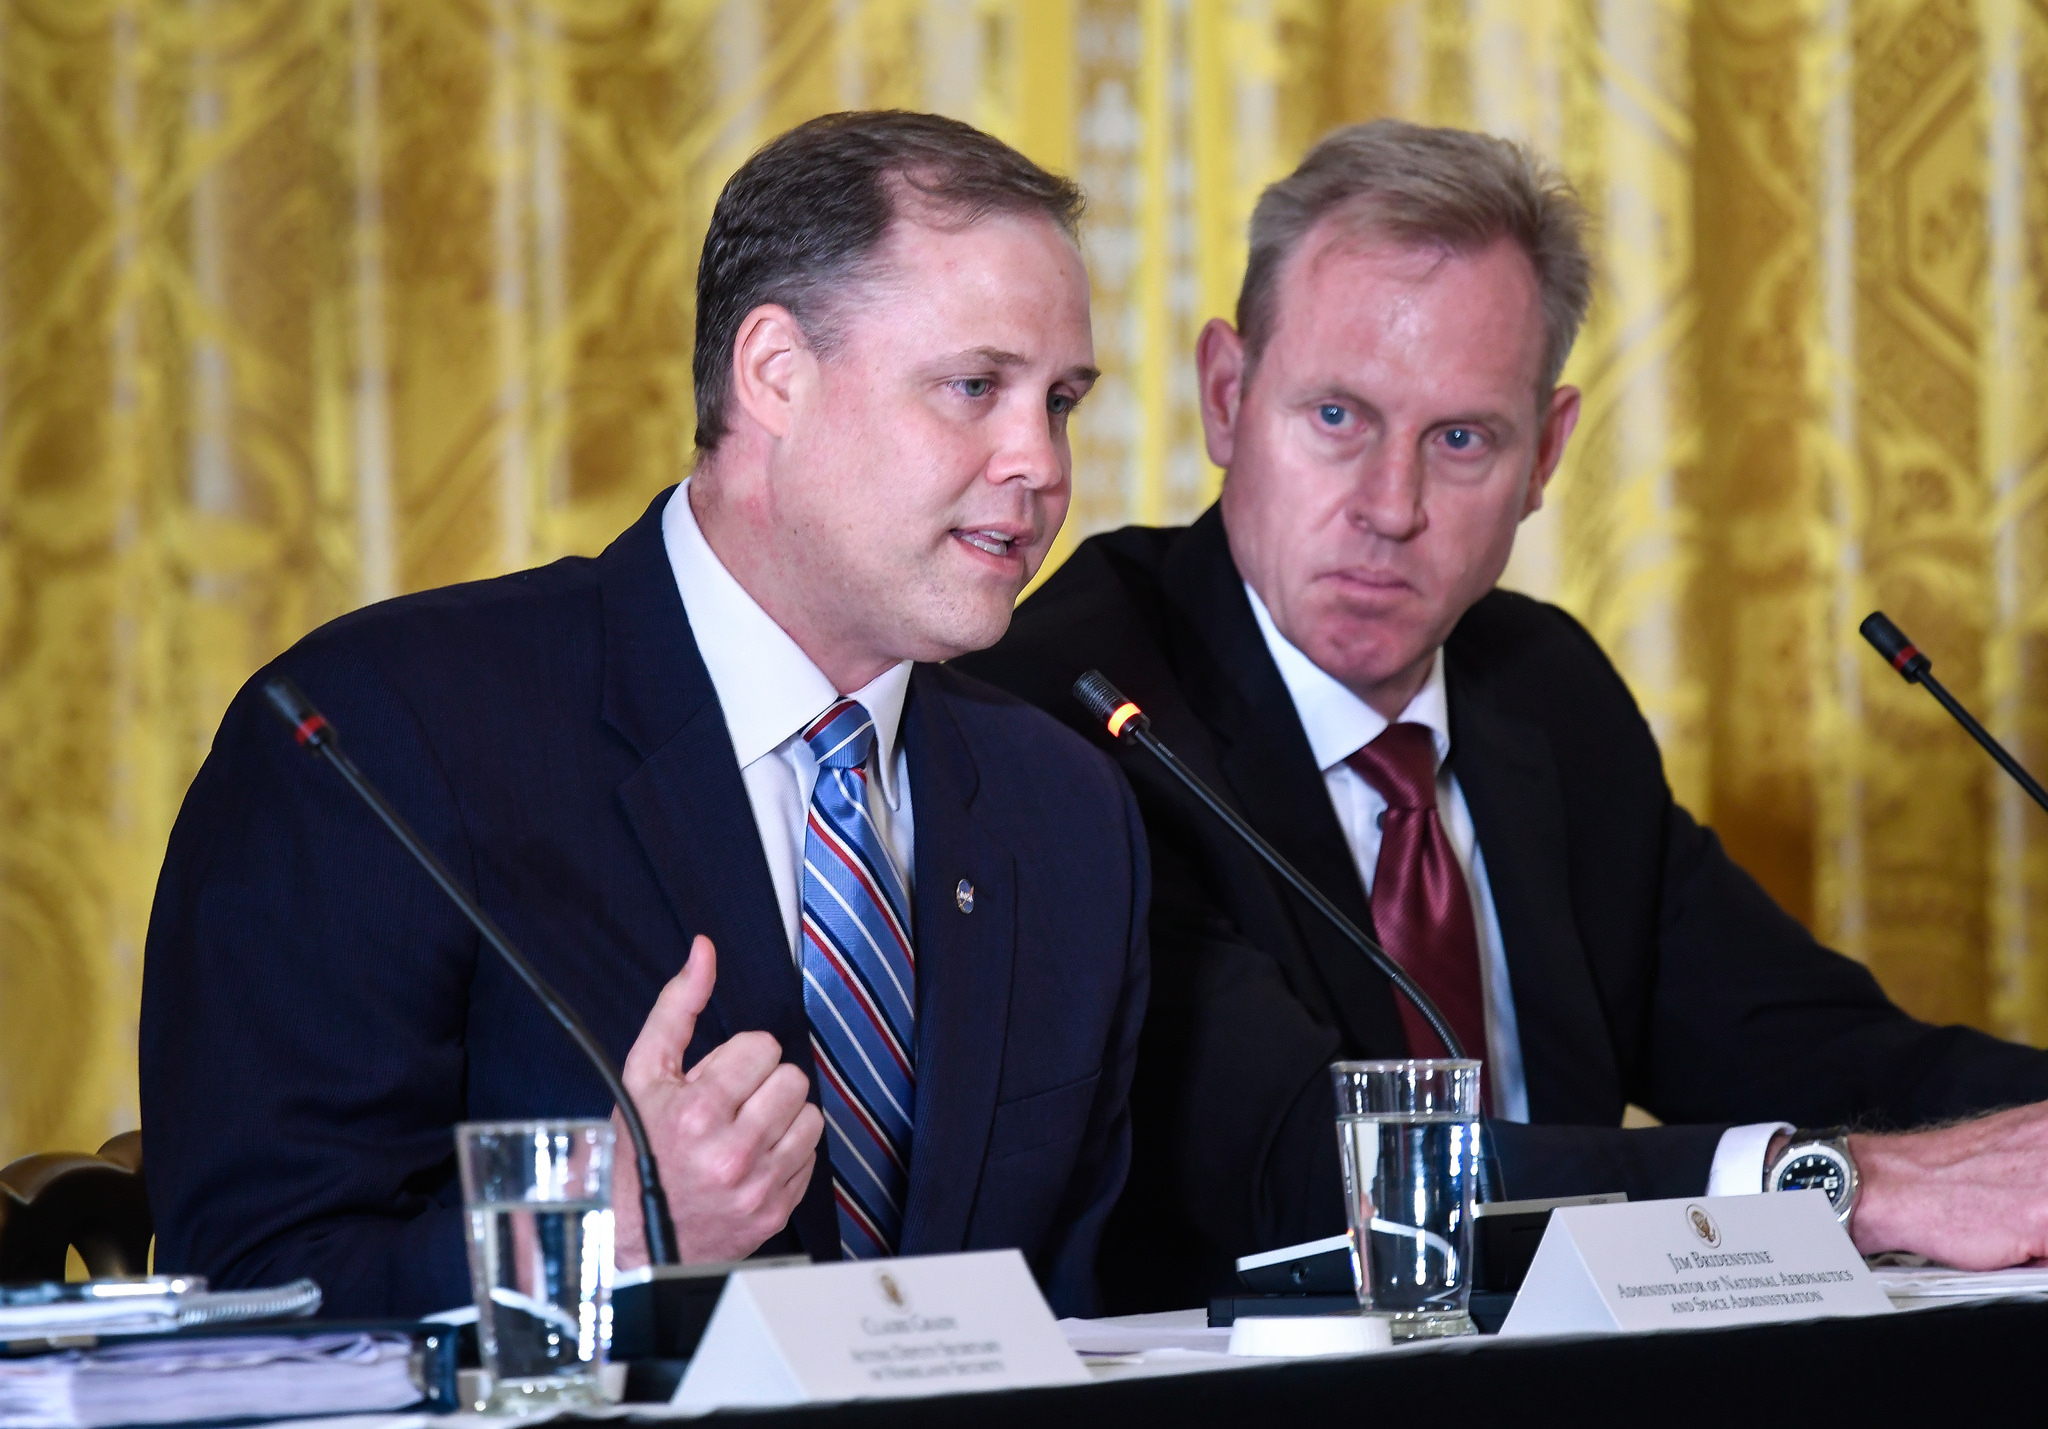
x=1970 y=1362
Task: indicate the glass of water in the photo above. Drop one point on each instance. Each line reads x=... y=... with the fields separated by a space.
x=1408 y=1136
x=539 y=1196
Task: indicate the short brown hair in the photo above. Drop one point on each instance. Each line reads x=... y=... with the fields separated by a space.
x=1442 y=188
x=800 y=221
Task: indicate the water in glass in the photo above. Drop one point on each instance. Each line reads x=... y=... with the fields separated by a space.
x=1409 y=1187
x=543 y=1265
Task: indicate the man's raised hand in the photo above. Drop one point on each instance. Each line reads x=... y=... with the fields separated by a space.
x=735 y=1136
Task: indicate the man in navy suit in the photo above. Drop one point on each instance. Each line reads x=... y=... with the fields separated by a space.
x=927 y=900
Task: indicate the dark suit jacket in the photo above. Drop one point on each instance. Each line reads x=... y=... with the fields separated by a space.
x=1646 y=967
x=316 y=1016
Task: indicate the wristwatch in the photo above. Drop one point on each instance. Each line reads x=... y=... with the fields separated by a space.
x=1818 y=1161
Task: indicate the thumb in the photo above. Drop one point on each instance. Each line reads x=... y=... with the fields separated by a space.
x=657 y=1053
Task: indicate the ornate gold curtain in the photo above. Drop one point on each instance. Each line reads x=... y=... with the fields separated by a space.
x=308 y=302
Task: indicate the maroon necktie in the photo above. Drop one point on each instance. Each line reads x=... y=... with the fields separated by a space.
x=1420 y=905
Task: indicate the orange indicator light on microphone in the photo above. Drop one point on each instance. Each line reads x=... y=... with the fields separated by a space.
x=1125 y=713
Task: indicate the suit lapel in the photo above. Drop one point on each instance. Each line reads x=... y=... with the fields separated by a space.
x=689 y=808
x=963 y=974
x=1267 y=765
x=1510 y=782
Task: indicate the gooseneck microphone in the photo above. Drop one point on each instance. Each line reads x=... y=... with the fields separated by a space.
x=320 y=737
x=1917 y=669
x=1126 y=721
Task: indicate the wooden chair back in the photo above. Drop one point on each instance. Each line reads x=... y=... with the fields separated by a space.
x=61 y=1200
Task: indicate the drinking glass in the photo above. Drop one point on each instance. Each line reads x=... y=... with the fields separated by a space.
x=1408 y=1136
x=539 y=1196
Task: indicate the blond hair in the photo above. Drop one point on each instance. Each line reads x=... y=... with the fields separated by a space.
x=1439 y=188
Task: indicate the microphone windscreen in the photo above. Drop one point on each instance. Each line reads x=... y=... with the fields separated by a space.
x=1098 y=696
x=1889 y=640
x=296 y=710
x=288 y=700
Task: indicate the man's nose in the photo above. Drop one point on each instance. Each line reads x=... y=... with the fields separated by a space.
x=1387 y=497
x=1027 y=448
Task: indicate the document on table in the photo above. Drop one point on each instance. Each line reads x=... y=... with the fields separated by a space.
x=1140 y=1346
x=232 y=1377
x=1127 y=1335
x=1921 y=1286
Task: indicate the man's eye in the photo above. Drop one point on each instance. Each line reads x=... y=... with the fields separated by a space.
x=1330 y=414
x=1461 y=439
x=1059 y=404
x=975 y=386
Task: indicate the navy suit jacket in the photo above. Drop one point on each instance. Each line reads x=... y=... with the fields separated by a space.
x=316 y=1017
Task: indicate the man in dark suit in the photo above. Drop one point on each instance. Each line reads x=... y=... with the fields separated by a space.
x=1460 y=768
x=926 y=898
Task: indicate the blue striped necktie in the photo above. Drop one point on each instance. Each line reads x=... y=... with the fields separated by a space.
x=860 y=988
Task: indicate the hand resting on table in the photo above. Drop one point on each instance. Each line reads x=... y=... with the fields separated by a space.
x=1973 y=1195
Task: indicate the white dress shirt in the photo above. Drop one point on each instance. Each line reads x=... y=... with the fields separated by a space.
x=769 y=691
x=1338 y=724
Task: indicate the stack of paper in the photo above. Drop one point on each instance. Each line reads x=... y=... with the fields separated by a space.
x=1123 y=1335
x=1140 y=1346
x=1918 y=1286
x=243 y=1376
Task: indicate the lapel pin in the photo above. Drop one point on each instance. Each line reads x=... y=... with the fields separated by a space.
x=964 y=896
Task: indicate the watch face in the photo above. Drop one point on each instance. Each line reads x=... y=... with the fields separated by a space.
x=1816 y=1171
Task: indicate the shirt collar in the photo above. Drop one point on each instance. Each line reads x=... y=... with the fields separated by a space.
x=767 y=687
x=1338 y=723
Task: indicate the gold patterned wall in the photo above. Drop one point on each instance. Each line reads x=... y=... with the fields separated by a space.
x=308 y=302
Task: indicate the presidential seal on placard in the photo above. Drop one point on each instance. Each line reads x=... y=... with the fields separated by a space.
x=1703 y=1225
x=891 y=1291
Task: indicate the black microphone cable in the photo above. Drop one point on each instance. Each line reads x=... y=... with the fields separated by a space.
x=320 y=737
x=1125 y=721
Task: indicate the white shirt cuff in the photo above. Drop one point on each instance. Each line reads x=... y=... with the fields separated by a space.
x=1739 y=1159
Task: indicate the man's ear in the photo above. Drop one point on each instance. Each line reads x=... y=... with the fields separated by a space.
x=1219 y=380
x=1559 y=418
x=768 y=356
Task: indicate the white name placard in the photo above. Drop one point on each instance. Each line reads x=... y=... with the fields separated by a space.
x=877 y=1329
x=1716 y=1260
